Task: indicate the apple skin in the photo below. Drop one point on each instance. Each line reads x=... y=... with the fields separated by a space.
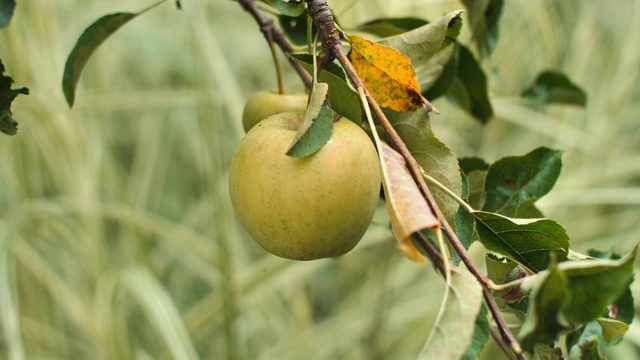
x=305 y=208
x=263 y=104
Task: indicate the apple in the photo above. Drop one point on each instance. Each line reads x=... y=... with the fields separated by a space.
x=305 y=208
x=263 y=104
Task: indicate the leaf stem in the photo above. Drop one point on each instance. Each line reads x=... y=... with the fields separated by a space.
x=268 y=26
x=276 y=62
x=447 y=191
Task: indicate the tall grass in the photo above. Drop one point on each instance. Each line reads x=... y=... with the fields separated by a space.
x=117 y=238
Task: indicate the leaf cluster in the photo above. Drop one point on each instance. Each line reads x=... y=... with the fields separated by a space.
x=406 y=64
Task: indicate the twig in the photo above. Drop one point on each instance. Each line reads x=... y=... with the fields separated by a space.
x=273 y=33
x=322 y=17
x=332 y=49
x=501 y=344
x=431 y=251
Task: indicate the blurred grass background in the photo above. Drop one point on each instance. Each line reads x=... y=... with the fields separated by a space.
x=117 y=238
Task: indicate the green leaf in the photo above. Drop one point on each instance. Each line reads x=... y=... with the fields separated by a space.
x=314 y=139
x=469 y=90
x=484 y=16
x=386 y=27
x=587 y=350
x=466 y=227
x=475 y=171
x=423 y=43
x=529 y=242
x=469 y=164
x=480 y=335
x=514 y=180
x=502 y=270
x=432 y=154
x=6 y=12
x=554 y=87
x=442 y=71
x=542 y=324
x=528 y=210
x=8 y=125
x=574 y=293
x=595 y=284
x=546 y=352
x=296 y=28
x=612 y=328
x=614 y=332
x=499 y=268
x=88 y=42
x=623 y=308
x=292 y=8
x=344 y=100
x=453 y=333
x=317 y=126
x=476 y=195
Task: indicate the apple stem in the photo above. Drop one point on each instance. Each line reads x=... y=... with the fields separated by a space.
x=271 y=31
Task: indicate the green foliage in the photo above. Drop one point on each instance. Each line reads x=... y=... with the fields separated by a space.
x=291 y=8
x=423 y=43
x=513 y=181
x=543 y=324
x=432 y=154
x=88 y=42
x=574 y=293
x=480 y=335
x=554 y=87
x=386 y=27
x=453 y=331
x=296 y=28
x=8 y=125
x=469 y=89
x=92 y=37
x=315 y=131
x=484 y=18
x=149 y=203
x=530 y=242
x=6 y=12
x=344 y=100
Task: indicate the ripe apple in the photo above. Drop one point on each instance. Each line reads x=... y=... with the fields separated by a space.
x=263 y=104
x=305 y=208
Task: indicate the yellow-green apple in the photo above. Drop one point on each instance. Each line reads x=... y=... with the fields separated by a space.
x=263 y=104
x=305 y=208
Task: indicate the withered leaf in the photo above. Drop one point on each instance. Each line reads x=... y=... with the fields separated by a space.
x=388 y=75
x=408 y=210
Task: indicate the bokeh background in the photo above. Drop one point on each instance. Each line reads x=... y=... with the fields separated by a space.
x=117 y=237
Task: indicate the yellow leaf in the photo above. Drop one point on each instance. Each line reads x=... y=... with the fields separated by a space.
x=408 y=210
x=388 y=75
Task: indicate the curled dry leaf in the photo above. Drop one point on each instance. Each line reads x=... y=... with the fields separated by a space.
x=408 y=210
x=388 y=75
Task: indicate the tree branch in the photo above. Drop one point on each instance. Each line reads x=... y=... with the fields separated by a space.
x=322 y=17
x=332 y=49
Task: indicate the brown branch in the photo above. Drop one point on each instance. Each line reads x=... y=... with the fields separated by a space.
x=322 y=17
x=332 y=49
x=497 y=337
x=432 y=252
x=274 y=34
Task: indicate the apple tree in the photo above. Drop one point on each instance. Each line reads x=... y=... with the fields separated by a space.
x=364 y=77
